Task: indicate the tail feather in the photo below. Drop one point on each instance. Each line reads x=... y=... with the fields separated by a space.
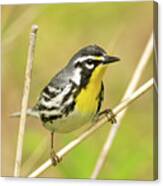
x=30 y=112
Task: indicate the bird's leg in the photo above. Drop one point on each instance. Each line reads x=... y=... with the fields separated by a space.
x=109 y=114
x=54 y=157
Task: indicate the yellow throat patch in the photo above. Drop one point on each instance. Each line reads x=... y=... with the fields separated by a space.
x=87 y=101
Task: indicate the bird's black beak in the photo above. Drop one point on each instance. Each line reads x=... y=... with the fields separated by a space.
x=110 y=59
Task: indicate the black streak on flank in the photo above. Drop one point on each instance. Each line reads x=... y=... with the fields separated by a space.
x=50 y=94
x=100 y=98
x=47 y=99
x=85 y=76
x=50 y=118
x=42 y=107
x=69 y=108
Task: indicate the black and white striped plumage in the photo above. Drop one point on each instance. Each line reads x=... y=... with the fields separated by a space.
x=56 y=105
x=74 y=96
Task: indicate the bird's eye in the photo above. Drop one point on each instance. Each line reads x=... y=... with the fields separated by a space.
x=89 y=64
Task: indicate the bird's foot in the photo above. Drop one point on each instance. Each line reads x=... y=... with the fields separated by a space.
x=55 y=158
x=110 y=115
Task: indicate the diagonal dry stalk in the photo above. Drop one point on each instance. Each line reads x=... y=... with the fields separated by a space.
x=131 y=87
x=103 y=120
x=39 y=151
x=24 y=104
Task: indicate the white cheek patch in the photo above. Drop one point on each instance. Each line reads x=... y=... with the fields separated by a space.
x=76 y=77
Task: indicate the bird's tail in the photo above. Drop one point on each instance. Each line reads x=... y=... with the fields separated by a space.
x=30 y=112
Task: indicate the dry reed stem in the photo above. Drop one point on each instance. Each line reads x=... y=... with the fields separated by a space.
x=24 y=104
x=118 y=34
x=144 y=88
x=131 y=87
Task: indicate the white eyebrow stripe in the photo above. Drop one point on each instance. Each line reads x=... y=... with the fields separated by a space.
x=81 y=59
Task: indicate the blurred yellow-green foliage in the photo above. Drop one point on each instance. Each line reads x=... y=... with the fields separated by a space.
x=122 y=29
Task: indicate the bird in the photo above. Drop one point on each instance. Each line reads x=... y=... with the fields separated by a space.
x=74 y=95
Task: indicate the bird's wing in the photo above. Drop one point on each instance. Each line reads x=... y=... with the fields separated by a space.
x=56 y=99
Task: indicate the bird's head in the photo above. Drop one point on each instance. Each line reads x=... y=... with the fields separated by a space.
x=91 y=62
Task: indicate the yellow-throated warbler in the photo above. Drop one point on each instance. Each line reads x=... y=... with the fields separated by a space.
x=73 y=97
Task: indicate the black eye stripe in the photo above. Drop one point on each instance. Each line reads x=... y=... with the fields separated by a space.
x=78 y=64
x=90 y=62
x=94 y=62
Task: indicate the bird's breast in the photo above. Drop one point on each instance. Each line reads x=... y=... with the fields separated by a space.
x=86 y=104
x=86 y=101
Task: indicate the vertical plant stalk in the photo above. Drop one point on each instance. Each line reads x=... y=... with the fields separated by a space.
x=131 y=87
x=24 y=104
x=40 y=150
x=103 y=120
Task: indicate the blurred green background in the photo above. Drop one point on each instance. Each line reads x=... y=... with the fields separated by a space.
x=122 y=29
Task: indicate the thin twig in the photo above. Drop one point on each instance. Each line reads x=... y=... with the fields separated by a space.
x=117 y=35
x=144 y=88
x=131 y=87
x=24 y=105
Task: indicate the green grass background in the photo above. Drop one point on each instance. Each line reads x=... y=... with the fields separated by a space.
x=122 y=29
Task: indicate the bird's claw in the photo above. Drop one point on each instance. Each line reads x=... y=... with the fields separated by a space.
x=111 y=116
x=55 y=158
